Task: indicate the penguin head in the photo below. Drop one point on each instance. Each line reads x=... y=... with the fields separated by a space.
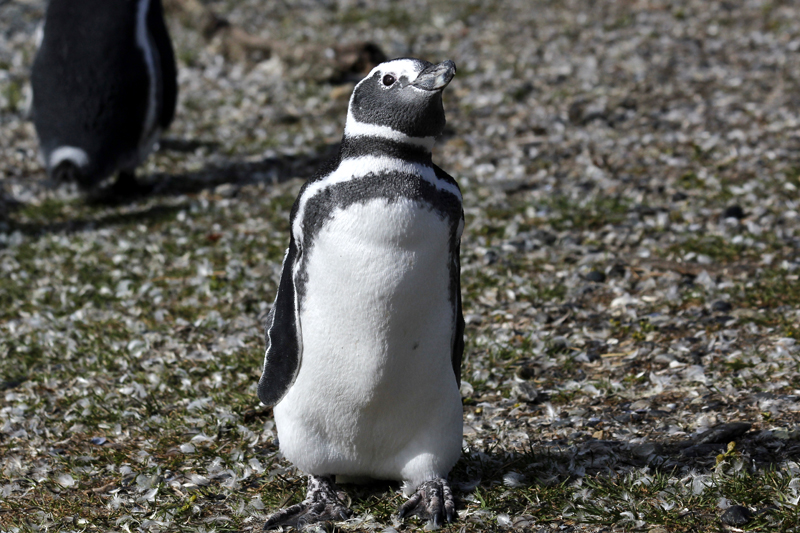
x=402 y=100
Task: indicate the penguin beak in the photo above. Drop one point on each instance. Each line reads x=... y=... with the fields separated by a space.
x=435 y=77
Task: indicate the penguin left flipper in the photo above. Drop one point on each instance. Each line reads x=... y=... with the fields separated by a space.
x=433 y=501
x=455 y=272
x=282 y=358
x=322 y=504
x=458 y=341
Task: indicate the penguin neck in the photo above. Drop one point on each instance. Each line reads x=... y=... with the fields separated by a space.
x=369 y=145
x=354 y=128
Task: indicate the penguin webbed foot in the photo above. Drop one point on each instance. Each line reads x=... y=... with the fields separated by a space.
x=432 y=501
x=322 y=504
x=126 y=185
x=124 y=188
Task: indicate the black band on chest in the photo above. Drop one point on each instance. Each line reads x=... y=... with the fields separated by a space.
x=378 y=146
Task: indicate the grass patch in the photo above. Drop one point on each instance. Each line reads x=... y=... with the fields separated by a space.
x=687 y=503
x=772 y=289
x=591 y=214
x=718 y=248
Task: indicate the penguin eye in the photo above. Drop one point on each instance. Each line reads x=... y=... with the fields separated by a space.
x=388 y=80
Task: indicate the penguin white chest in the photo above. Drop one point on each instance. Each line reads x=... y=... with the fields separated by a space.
x=376 y=387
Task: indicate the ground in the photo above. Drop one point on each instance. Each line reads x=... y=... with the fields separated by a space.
x=630 y=272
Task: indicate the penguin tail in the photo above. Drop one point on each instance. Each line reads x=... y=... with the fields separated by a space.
x=68 y=172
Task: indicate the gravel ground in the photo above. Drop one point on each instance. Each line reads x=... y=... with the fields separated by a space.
x=630 y=174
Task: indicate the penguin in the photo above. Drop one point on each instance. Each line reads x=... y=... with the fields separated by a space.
x=366 y=334
x=104 y=85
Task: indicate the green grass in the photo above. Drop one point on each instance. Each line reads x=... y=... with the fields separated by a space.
x=150 y=399
x=590 y=214
x=691 y=502
x=718 y=248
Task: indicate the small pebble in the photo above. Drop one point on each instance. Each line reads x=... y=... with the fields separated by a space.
x=596 y=276
x=724 y=433
x=721 y=306
x=525 y=391
x=576 y=111
x=736 y=515
x=645 y=450
x=617 y=271
x=528 y=371
x=704 y=450
x=734 y=211
x=226 y=190
x=503 y=520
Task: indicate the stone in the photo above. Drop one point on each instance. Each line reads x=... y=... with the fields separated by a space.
x=525 y=391
x=734 y=211
x=596 y=276
x=724 y=433
x=721 y=306
x=736 y=515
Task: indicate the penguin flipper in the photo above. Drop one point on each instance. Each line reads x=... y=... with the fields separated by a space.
x=458 y=341
x=282 y=358
x=455 y=279
x=166 y=58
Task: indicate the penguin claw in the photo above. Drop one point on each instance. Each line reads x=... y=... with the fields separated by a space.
x=322 y=504
x=433 y=501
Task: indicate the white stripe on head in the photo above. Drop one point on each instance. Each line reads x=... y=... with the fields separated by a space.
x=360 y=167
x=354 y=128
x=410 y=68
x=143 y=42
x=68 y=153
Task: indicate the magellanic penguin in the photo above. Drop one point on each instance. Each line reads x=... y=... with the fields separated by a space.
x=365 y=338
x=104 y=87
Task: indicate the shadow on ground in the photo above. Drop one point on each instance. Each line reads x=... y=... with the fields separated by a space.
x=76 y=225
x=116 y=210
x=269 y=170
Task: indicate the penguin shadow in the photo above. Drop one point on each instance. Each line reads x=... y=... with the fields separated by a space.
x=120 y=210
x=175 y=144
x=213 y=176
x=548 y=463
x=89 y=223
x=276 y=169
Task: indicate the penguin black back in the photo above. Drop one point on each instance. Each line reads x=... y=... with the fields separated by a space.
x=104 y=85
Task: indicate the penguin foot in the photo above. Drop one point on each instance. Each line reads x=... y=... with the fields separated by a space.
x=124 y=188
x=433 y=501
x=322 y=504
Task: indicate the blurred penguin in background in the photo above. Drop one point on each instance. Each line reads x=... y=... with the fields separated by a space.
x=104 y=88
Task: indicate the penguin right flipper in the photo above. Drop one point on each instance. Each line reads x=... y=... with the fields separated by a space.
x=282 y=358
x=166 y=57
